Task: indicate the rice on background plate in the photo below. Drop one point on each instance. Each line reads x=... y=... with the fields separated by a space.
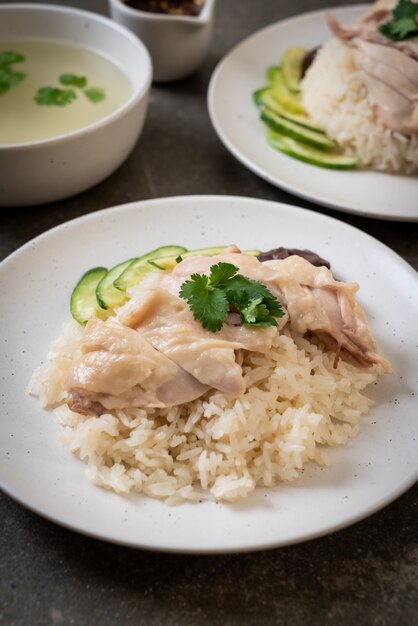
x=335 y=97
x=216 y=447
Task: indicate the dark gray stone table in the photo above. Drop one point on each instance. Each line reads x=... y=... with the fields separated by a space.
x=366 y=574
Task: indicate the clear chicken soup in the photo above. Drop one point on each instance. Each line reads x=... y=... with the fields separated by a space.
x=50 y=88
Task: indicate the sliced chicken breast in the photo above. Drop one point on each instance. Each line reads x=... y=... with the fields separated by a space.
x=314 y=300
x=166 y=322
x=318 y=303
x=120 y=369
x=391 y=79
x=367 y=28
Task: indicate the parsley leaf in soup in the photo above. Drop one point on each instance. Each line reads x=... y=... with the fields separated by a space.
x=95 y=94
x=53 y=96
x=9 y=78
x=7 y=58
x=71 y=80
x=210 y=298
x=404 y=23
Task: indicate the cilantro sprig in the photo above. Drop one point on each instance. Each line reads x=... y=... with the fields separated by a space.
x=404 y=23
x=7 y=57
x=72 y=80
x=55 y=96
x=210 y=298
x=9 y=77
x=95 y=94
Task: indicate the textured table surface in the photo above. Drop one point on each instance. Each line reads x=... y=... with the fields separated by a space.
x=365 y=574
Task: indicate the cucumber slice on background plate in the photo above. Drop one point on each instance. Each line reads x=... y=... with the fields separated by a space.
x=258 y=96
x=108 y=297
x=311 y=155
x=140 y=267
x=296 y=131
x=271 y=72
x=83 y=303
x=282 y=93
x=292 y=67
x=265 y=98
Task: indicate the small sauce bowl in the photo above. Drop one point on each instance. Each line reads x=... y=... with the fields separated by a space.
x=178 y=44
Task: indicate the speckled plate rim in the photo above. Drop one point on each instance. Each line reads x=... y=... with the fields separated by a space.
x=236 y=122
x=38 y=473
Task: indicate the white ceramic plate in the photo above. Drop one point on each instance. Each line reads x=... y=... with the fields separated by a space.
x=371 y=471
x=236 y=120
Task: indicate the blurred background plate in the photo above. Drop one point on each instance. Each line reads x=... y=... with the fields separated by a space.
x=236 y=121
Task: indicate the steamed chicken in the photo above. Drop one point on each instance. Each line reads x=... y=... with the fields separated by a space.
x=388 y=67
x=155 y=354
x=362 y=86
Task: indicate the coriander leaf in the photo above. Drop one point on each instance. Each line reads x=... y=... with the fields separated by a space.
x=209 y=307
x=9 y=78
x=211 y=311
x=210 y=298
x=194 y=286
x=179 y=259
x=7 y=58
x=273 y=305
x=253 y=301
x=73 y=81
x=241 y=291
x=401 y=29
x=53 y=96
x=250 y=313
x=257 y=314
x=95 y=94
x=221 y=273
x=404 y=22
x=405 y=8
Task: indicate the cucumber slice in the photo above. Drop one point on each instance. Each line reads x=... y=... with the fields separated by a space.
x=271 y=73
x=282 y=93
x=108 y=297
x=292 y=67
x=252 y=252
x=264 y=97
x=139 y=267
x=296 y=131
x=169 y=263
x=311 y=155
x=258 y=96
x=83 y=303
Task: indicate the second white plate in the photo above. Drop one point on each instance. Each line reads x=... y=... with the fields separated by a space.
x=236 y=120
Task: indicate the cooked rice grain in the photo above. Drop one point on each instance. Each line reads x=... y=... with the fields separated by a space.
x=335 y=97
x=216 y=447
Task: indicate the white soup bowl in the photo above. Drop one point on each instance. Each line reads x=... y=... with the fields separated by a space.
x=50 y=169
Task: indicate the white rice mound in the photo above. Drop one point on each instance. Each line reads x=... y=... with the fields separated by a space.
x=216 y=447
x=335 y=97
